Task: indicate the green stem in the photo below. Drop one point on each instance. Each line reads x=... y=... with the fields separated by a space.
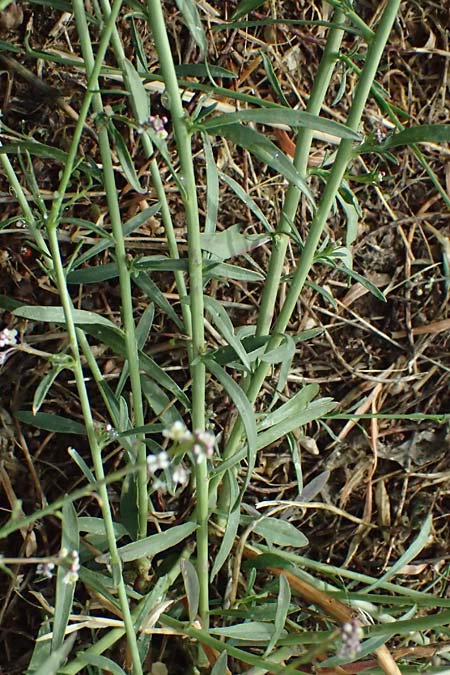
x=343 y=157
x=189 y=196
x=116 y=566
x=157 y=184
x=121 y=259
x=303 y=146
x=23 y=203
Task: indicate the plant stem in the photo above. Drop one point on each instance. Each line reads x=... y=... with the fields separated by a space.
x=303 y=145
x=189 y=197
x=121 y=259
x=157 y=184
x=116 y=566
x=343 y=157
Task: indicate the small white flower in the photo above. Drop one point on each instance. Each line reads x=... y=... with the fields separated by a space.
x=8 y=337
x=45 y=569
x=178 y=433
x=180 y=475
x=70 y=578
x=157 y=462
x=207 y=440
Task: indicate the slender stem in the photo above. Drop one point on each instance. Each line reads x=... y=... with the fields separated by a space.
x=124 y=274
x=157 y=184
x=116 y=567
x=303 y=145
x=343 y=157
x=189 y=196
x=23 y=203
x=91 y=89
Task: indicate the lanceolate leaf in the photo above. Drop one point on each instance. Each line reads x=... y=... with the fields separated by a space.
x=231 y=242
x=56 y=315
x=264 y=150
x=243 y=406
x=140 y=98
x=189 y=10
x=287 y=116
x=427 y=133
x=70 y=541
x=154 y=544
x=280 y=532
x=314 y=411
x=56 y=423
x=225 y=327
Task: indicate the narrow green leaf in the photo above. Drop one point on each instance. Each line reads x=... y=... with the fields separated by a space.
x=243 y=407
x=246 y=199
x=79 y=461
x=146 y=283
x=56 y=658
x=292 y=408
x=250 y=632
x=56 y=423
x=116 y=341
x=140 y=100
x=145 y=325
x=204 y=70
x=101 y=662
x=231 y=242
x=44 y=387
x=227 y=271
x=150 y=546
x=280 y=532
x=231 y=527
x=46 y=152
x=128 y=228
x=283 y=601
x=411 y=552
x=426 y=133
x=70 y=541
x=139 y=47
x=287 y=116
x=192 y=586
x=56 y=315
x=97 y=526
x=189 y=10
x=284 y=352
x=212 y=187
x=225 y=327
x=125 y=160
x=129 y=513
x=220 y=666
x=93 y=275
x=314 y=411
x=263 y=149
x=273 y=79
x=246 y=6
x=374 y=290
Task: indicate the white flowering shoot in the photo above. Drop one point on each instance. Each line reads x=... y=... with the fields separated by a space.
x=351 y=636
x=158 y=462
x=8 y=337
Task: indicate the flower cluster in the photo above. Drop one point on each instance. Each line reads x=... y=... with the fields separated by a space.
x=8 y=338
x=200 y=445
x=45 y=569
x=158 y=123
x=351 y=636
x=71 y=559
